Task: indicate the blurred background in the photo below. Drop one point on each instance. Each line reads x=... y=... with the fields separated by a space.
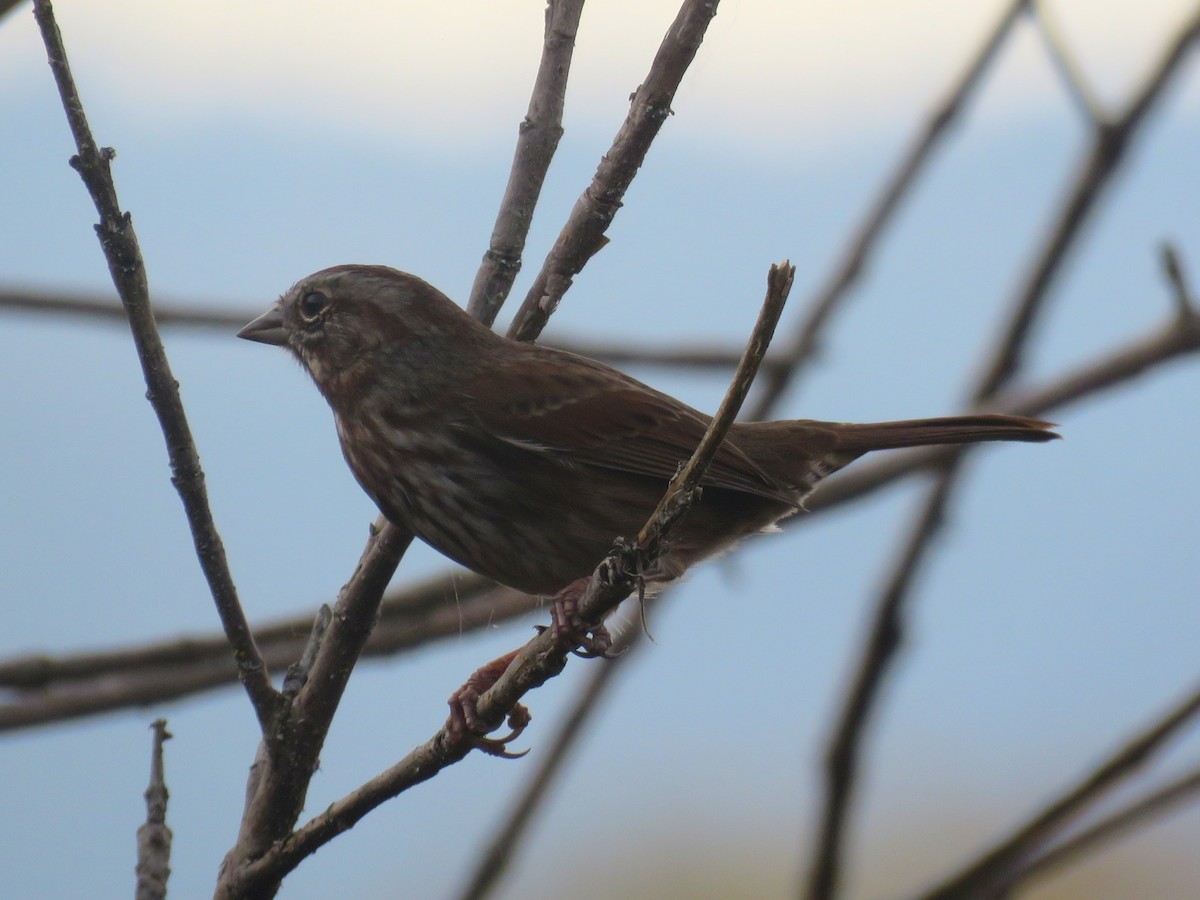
x=259 y=142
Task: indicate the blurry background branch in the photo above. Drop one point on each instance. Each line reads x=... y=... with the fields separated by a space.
x=203 y=316
x=1002 y=866
x=1110 y=145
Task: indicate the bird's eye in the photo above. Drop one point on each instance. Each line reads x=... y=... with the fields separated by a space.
x=312 y=305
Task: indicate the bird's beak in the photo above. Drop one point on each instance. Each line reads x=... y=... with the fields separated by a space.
x=267 y=328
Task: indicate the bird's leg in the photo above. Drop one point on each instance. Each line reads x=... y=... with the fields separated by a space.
x=570 y=630
x=464 y=723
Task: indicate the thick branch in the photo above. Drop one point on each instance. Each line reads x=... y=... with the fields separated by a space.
x=282 y=774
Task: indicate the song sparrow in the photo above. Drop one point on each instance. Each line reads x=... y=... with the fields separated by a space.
x=524 y=463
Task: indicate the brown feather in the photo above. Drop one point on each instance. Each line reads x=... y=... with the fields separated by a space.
x=593 y=415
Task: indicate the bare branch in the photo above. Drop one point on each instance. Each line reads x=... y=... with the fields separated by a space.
x=583 y=235
x=141 y=676
x=539 y=135
x=154 y=837
x=884 y=637
x=687 y=479
x=101 y=308
x=7 y=6
x=498 y=854
x=1000 y=863
x=1067 y=66
x=1148 y=809
x=414 y=613
x=1181 y=290
x=120 y=245
x=293 y=746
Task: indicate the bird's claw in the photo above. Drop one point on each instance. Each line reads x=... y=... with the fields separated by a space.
x=584 y=639
x=464 y=724
x=518 y=719
x=591 y=650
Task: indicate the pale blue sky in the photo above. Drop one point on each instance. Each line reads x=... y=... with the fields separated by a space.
x=1059 y=614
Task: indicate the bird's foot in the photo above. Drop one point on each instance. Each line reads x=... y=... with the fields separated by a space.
x=464 y=723
x=570 y=630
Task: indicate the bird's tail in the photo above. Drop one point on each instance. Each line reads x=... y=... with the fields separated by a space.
x=945 y=430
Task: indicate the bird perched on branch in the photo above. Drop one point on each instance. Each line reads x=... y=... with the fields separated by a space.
x=524 y=463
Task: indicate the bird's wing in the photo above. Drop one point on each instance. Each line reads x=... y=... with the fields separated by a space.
x=594 y=415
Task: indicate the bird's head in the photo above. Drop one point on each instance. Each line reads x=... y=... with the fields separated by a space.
x=354 y=322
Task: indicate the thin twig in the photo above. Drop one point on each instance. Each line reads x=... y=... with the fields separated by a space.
x=687 y=479
x=101 y=308
x=120 y=245
x=1067 y=66
x=886 y=633
x=1181 y=289
x=819 y=308
x=583 y=235
x=55 y=689
x=1148 y=809
x=539 y=135
x=154 y=837
x=298 y=672
x=544 y=656
x=1005 y=858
